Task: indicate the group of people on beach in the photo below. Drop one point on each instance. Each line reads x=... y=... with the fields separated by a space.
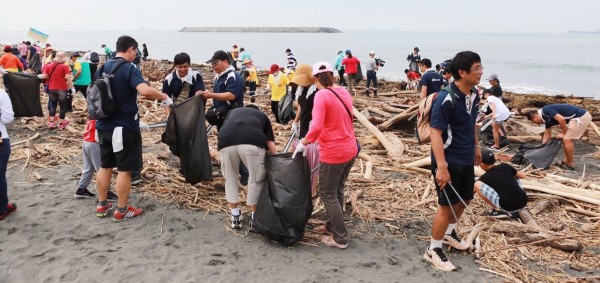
x=323 y=121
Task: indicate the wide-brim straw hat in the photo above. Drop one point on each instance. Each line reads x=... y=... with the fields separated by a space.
x=246 y=61
x=303 y=75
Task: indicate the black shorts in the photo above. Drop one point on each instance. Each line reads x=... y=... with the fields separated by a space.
x=128 y=159
x=462 y=178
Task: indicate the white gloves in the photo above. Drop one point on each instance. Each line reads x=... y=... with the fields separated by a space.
x=299 y=148
x=41 y=76
x=144 y=127
x=73 y=91
x=295 y=128
x=166 y=102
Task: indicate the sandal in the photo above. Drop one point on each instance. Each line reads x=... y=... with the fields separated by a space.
x=321 y=229
x=329 y=241
x=564 y=165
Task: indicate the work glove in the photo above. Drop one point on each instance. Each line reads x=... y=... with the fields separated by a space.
x=299 y=148
x=166 y=102
x=144 y=127
x=41 y=76
x=294 y=128
x=73 y=91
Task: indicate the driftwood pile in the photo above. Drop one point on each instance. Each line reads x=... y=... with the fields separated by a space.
x=558 y=241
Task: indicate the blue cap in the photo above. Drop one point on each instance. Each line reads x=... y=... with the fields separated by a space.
x=348 y=51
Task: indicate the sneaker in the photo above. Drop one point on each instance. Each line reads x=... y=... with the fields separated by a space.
x=454 y=241
x=497 y=214
x=136 y=181
x=102 y=210
x=130 y=213
x=493 y=148
x=51 y=125
x=251 y=224
x=112 y=196
x=10 y=208
x=83 y=193
x=439 y=259
x=236 y=221
x=63 y=125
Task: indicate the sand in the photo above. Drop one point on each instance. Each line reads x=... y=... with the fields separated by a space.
x=56 y=238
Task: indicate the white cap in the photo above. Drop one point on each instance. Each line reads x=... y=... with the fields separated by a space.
x=371 y=52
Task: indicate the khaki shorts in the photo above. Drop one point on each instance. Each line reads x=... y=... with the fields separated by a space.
x=576 y=127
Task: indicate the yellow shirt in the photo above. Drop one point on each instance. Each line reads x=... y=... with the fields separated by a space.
x=252 y=76
x=290 y=74
x=278 y=89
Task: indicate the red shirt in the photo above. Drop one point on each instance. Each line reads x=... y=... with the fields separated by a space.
x=413 y=75
x=332 y=127
x=57 y=81
x=351 y=65
x=90 y=131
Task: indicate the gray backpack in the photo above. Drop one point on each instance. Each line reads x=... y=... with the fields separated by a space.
x=100 y=100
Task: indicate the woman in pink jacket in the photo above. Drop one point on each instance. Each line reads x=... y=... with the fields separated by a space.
x=332 y=128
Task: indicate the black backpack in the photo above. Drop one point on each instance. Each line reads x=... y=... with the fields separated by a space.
x=94 y=58
x=100 y=99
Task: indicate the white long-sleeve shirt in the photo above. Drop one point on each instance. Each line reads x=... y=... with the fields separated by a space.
x=6 y=113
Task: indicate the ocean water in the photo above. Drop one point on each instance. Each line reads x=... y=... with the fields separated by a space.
x=566 y=63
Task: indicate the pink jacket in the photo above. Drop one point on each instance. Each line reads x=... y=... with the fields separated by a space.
x=332 y=127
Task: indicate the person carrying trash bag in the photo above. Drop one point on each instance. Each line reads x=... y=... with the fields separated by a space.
x=332 y=127
x=245 y=136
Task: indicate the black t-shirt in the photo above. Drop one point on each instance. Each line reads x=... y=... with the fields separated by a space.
x=496 y=90
x=245 y=126
x=306 y=107
x=503 y=180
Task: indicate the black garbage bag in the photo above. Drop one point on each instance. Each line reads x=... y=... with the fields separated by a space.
x=286 y=108
x=185 y=135
x=539 y=156
x=24 y=94
x=285 y=204
x=359 y=74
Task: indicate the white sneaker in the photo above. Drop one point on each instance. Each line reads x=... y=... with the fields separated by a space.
x=454 y=241
x=439 y=259
x=236 y=221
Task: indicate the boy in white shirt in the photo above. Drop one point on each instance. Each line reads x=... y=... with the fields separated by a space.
x=500 y=113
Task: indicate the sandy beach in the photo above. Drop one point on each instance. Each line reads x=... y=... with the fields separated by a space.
x=55 y=238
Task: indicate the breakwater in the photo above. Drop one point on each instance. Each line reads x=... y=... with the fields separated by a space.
x=263 y=29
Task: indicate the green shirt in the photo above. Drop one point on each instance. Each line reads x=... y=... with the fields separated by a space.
x=85 y=78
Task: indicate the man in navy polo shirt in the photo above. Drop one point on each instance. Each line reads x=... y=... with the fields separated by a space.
x=454 y=146
x=431 y=81
x=228 y=89
x=572 y=121
x=119 y=136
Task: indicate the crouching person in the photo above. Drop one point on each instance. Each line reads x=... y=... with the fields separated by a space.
x=246 y=136
x=500 y=187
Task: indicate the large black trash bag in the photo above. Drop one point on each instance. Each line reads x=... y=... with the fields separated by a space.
x=539 y=156
x=286 y=108
x=24 y=93
x=285 y=204
x=185 y=135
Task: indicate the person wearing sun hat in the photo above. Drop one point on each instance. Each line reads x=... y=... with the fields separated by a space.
x=305 y=94
x=332 y=128
x=499 y=187
x=277 y=84
x=251 y=79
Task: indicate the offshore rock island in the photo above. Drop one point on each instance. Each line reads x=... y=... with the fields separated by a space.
x=263 y=29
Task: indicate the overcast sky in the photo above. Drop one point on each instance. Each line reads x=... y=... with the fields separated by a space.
x=498 y=16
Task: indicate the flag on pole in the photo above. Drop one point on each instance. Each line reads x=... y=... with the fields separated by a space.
x=37 y=35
